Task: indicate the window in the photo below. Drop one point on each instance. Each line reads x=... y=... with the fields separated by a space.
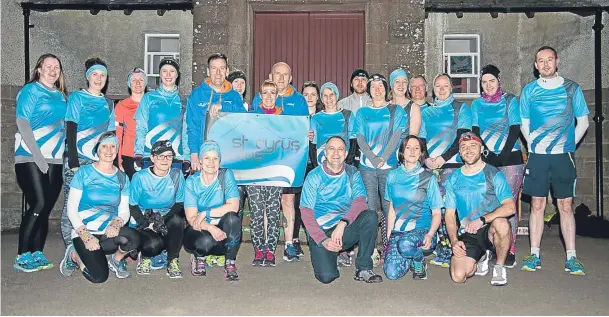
x=462 y=63
x=157 y=47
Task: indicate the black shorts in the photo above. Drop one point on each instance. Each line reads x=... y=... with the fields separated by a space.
x=477 y=244
x=545 y=170
x=292 y=190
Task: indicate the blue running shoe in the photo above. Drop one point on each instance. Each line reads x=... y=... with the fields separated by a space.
x=26 y=263
x=42 y=260
x=159 y=261
x=67 y=265
x=290 y=254
x=531 y=263
x=574 y=266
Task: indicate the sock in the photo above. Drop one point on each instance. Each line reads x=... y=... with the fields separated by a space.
x=571 y=253
x=287 y=243
x=295 y=240
x=230 y=261
x=535 y=251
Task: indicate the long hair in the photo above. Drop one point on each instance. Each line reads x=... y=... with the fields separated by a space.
x=318 y=106
x=97 y=61
x=423 y=156
x=60 y=84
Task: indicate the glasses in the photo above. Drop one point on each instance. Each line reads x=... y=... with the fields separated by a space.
x=167 y=157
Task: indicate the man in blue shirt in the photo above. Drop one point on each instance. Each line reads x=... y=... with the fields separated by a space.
x=548 y=107
x=480 y=195
x=334 y=211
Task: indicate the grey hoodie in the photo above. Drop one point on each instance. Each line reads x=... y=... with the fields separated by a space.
x=354 y=102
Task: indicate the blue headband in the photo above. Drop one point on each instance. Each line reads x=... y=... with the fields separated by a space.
x=331 y=86
x=109 y=139
x=210 y=146
x=136 y=72
x=395 y=74
x=94 y=68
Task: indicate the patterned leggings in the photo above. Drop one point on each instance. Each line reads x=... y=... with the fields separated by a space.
x=444 y=250
x=265 y=202
x=402 y=250
x=514 y=175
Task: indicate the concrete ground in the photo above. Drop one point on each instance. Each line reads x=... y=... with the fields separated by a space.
x=291 y=289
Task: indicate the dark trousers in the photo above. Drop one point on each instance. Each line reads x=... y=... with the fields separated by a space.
x=362 y=231
x=153 y=244
x=202 y=243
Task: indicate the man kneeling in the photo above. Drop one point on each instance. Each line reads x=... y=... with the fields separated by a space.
x=334 y=212
x=481 y=195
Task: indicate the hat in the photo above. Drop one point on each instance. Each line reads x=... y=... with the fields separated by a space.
x=357 y=73
x=378 y=77
x=162 y=146
x=234 y=75
x=469 y=136
x=331 y=86
x=136 y=72
x=490 y=69
x=210 y=145
x=395 y=74
x=105 y=138
x=169 y=61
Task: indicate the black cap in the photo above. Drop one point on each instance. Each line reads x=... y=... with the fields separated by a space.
x=359 y=72
x=169 y=61
x=162 y=146
x=234 y=75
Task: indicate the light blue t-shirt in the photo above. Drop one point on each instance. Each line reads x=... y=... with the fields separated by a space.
x=326 y=125
x=474 y=196
x=94 y=116
x=331 y=197
x=201 y=196
x=45 y=110
x=552 y=114
x=442 y=120
x=373 y=124
x=101 y=196
x=495 y=119
x=161 y=116
x=414 y=194
x=149 y=191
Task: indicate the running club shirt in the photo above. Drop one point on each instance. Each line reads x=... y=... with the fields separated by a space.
x=44 y=109
x=326 y=125
x=442 y=120
x=149 y=191
x=331 y=197
x=414 y=194
x=292 y=103
x=373 y=124
x=202 y=197
x=93 y=115
x=160 y=116
x=495 y=119
x=101 y=196
x=474 y=196
x=551 y=112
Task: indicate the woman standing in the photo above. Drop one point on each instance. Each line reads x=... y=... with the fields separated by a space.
x=378 y=129
x=496 y=118
x=398 y=82
x=39 y=145
x=414 y=215
x=90 y=113
x=125 y=124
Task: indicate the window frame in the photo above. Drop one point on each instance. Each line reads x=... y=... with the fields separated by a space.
x=148 y=56
x=476 y=64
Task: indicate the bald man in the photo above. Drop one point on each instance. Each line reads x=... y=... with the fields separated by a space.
x=288 y=99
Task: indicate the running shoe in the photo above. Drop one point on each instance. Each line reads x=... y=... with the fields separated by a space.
x=173 y=269
x=289 y=253
x=376 y=258
x=482 y=265
x=258 y=258
x=221 y=260
x=26 y=263
x=118 y=267
x=197 y=265
x=531 y=263
x=67 y=265
x=367 y=276
x=230 y=272
x=144 y=266
x=211 y=261
x=298 y=247
x=510 y=261
x=344 y=259
x=574 y=266
x=159 y=261
x=499 y=275
x=42 y=261
x=269 y=258
x=419 y=270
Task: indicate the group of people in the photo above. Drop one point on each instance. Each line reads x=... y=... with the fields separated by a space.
x=436 y=175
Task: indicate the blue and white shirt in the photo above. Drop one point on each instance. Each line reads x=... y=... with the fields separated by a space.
x=495 y=119
x=149 y=191
x=326 y=125
x=202 y=197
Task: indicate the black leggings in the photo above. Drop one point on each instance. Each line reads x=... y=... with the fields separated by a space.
x=128 y=165
x=96 y=264
x=153 y=244
x=202 y=243
x=41 y=192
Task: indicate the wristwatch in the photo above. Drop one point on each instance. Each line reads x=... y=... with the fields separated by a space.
x=483 y=220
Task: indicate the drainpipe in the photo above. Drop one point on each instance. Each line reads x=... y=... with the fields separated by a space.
x=598 y=112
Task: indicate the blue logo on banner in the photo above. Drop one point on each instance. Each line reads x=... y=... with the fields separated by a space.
x=263 y=149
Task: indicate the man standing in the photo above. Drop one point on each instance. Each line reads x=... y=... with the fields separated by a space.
x=481 y=196
x=334 y=211
x=548 y=107
x=359 y=97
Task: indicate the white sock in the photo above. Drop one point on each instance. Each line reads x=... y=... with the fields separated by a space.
x=571 y=253
x=287 y=243
x=535 y=251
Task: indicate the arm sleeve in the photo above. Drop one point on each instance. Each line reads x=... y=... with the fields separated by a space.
x=195 y=124
x=74 y=197
x=72 y=150
x=524 y=128
x=27 y=135
x=138 y=216
x=454 y=148
x=352 y=151
x=313 y=154
x=513 y=110
x=361 y=140
x=581 y=127
x=123 y=209
x=434 y=196
x=464 y=124
x=141 y=125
